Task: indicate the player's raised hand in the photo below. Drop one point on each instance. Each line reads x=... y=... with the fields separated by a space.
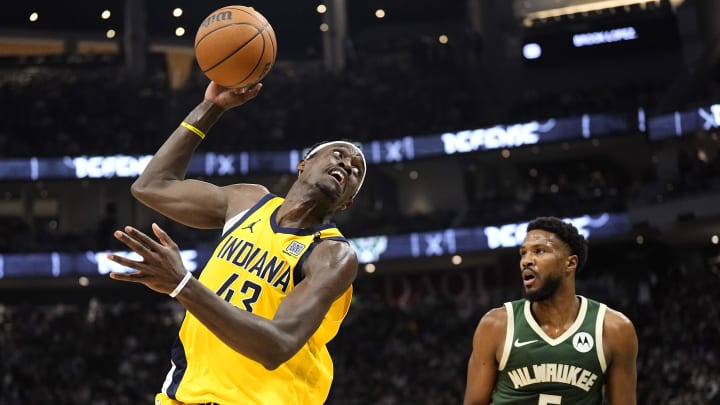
x=226 y=98
x=161 y=268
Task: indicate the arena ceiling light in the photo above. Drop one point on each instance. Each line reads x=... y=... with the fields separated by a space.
x=571 y=7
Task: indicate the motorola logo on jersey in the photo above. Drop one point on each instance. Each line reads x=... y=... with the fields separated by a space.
x=495 y=137
x=583 y=342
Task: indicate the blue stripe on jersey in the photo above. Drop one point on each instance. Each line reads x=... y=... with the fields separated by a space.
x=297 y=274
x=249 y=212
x=296 y=231
x=177 y=355
x=337 y=238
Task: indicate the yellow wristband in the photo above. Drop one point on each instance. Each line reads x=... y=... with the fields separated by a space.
x=192 y=128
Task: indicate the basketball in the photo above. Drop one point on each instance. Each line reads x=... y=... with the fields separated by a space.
x=235 y=46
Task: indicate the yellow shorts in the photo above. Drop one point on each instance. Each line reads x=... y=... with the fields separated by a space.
x=162 y=399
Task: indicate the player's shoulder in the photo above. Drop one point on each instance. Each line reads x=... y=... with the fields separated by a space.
x=616 y=320
x=250 y=190
x=494 y=319
x=490 y=330
x=618 y=330
x=619 y=334
x=242 y=196
x=331 y=249
x=335 y=261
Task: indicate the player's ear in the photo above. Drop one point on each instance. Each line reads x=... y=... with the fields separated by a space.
x=572 y=262
x=300 y=166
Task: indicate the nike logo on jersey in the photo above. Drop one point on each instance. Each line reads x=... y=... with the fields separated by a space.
x=518 y=343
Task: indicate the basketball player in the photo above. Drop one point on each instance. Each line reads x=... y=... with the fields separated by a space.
x=553 y=347
x=277 y=286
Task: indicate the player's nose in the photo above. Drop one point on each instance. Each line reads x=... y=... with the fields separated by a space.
x=346 y=163
x=526 y=261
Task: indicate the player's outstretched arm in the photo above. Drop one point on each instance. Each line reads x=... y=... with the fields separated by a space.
x=483 y=364
x=329 y=271
x=163 y=187
x=622 y=343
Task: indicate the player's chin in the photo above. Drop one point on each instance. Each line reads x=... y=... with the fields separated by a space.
x=531 y=290
x=332 y=190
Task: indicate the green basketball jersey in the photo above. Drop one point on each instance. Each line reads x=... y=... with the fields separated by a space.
x=538 y=370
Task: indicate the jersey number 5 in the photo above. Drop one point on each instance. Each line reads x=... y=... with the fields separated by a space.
x=546 y=399
x=250 y=289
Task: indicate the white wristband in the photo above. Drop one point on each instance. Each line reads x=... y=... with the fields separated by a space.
x=181 y=285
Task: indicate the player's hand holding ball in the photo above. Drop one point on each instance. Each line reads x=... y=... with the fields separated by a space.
x=226 y=98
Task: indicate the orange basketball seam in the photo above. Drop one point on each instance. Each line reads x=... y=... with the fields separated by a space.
x=257 y=63
x=238 y=48
x=197 y=41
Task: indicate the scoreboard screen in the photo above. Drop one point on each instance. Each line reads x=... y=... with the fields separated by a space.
x=609 y=38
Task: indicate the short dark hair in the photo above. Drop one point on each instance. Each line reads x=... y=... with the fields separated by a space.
x=567 y=233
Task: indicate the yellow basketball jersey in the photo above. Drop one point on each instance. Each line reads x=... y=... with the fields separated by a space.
x=254 y=267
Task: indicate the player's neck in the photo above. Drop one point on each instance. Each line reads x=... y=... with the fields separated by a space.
x=301 y=213
x=556 y=313
x=304 y=208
